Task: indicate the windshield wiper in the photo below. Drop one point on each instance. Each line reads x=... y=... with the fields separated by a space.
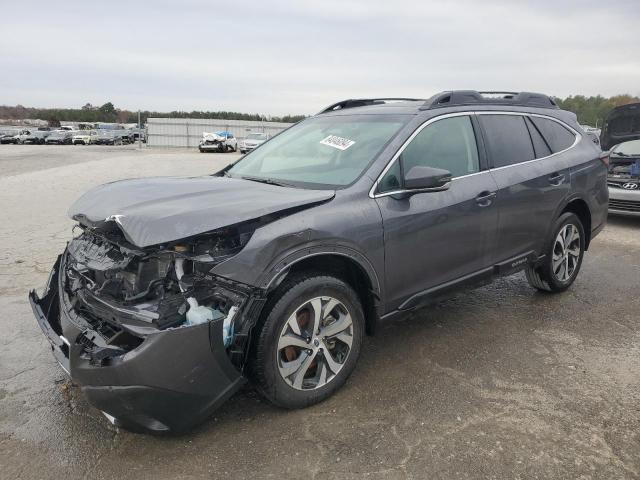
x=268 y=181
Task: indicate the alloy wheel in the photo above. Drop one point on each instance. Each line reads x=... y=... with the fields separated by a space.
x=314 y=343
x=566 y=252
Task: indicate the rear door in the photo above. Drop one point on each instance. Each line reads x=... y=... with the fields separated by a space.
x=532 y=178
x=433 y=238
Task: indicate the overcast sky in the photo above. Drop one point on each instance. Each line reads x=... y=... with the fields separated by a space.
x=278 y=57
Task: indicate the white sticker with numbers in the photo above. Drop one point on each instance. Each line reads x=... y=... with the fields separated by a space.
x=337 y=142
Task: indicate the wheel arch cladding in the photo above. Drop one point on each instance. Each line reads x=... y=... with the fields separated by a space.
x=580 y=208
x=349 y=271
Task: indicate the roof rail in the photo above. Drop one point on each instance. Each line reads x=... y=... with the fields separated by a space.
x=361 y=102
x=471 y=97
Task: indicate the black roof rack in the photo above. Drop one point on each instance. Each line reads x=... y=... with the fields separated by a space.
x=361 y=102
x=471 y=97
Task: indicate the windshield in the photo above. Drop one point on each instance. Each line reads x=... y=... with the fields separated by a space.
x=631 y=148
x=328 y=151
x=256 y=136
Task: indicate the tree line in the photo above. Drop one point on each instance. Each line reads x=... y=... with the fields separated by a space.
x=593 y=110
x=590 y=111
x=108 y=113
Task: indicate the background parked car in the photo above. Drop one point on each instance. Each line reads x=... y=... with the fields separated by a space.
x=33 y=136
x=139 y=133
x=60 y=137
x=624 y=178
x=83 y=137
x=125 y=136
x=252 y=140
x=9 y=138
x=218 y=142
x=593 y=133
x=107 y=137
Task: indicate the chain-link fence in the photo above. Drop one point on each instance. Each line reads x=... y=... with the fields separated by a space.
x=187 y=132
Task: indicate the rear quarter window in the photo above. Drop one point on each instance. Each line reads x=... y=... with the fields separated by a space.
x=539 y=143
x=508 y=139
x=558 y=137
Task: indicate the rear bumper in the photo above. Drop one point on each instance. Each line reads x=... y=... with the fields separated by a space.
x=172 y=381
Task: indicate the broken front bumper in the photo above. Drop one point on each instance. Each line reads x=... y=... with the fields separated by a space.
x=170 y=382
x=212 y=146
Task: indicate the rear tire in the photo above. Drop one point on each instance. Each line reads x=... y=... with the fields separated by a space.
x=563 y=256
x=302 y=357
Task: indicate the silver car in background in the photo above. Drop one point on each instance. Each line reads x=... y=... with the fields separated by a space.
x=60 y=137
x=252 y=140
x=624 y=179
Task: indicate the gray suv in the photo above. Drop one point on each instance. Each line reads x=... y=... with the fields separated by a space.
x=176 y=291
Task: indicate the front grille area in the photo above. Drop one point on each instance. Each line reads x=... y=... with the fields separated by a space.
x=625 y=205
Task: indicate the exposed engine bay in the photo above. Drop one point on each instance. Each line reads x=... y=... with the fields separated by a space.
x=624 y=168
x=126 y=293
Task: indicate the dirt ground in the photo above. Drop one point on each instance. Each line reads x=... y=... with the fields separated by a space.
x=498 y=382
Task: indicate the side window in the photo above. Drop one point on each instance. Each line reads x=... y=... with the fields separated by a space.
x=508 y=139
x=539 y=143
x=449 y=144
x=557 y=136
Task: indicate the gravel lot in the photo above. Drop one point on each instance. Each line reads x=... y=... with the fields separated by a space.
x=499 y=382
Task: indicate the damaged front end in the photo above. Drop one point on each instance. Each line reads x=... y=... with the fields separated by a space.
x=152 y=337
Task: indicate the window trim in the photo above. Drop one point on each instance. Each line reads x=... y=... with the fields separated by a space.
x=374 y=187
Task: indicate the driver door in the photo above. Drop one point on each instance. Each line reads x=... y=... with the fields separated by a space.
x=435 y=239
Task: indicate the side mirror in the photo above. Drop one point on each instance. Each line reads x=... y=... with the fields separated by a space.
x=427 y=178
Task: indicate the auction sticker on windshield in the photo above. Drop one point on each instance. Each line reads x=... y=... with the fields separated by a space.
x=337 y=142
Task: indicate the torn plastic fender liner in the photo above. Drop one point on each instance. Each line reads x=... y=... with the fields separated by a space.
x=46 y=308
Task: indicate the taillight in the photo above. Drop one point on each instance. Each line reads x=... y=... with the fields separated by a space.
x=604 y=158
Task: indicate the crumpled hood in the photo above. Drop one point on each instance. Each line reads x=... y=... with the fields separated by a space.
x=212 y=137
x=162 y=209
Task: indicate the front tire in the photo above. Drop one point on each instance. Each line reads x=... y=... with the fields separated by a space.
x=309 y=341
x=563 y=256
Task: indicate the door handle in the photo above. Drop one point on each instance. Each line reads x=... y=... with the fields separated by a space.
x=556 y=179
x=484 y=199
